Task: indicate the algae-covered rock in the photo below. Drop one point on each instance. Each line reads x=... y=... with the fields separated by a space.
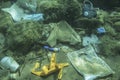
x=52 y=9
x=109 y=46
x=56 y=10
x=117 y=26
x=48 y=4
x=102 y=15
x=110 y=30
x=5 y=22
x=23 y=35
x=2 y=42
x=105 y=4
x=5 y=3
x=92 y=24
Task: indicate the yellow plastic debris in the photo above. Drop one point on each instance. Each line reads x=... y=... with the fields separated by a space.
x=51 y=68
x=60 y=74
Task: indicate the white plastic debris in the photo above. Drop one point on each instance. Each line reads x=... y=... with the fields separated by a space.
x=93 y=39
x=18 y=14
x=9 y=63
x=33 y=17
x=87 y=63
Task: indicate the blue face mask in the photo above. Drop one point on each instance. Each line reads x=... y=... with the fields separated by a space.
x=88 y=10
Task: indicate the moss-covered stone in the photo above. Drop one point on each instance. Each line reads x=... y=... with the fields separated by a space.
x=109 y=46
x=56 y=10
x=23 y=36
x=5 y=22
x=105 y=4
x=117 y=26
x=110 y=30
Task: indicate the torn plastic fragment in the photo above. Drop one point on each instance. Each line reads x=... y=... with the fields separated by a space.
x=93 y=39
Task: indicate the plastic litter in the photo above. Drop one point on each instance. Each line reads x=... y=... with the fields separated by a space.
x=34 y=17
x=18 y=14
x=28 y=4
x=88 y=9
x=9 y=63
x=101 y=30
x=93 y=39
x=15 y=12
x=87 y=63
x=50 y=68
x=52 y=49
x=62 y=32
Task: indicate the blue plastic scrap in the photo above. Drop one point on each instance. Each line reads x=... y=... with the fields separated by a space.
x=51 y=49
x=46 y=47
x=101 y=30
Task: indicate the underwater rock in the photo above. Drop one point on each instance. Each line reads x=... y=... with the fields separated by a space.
x=92 y=24
x=110 y=30
x=5 y=22
x=117 y=26
x=4 y=74
x=57 y=10
x=108 y=46
x=22 y=36
x=102 y=15
x=2 y=42
x=5 y=3
x=104 y=4
x=51 y=8
x=46 y=4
